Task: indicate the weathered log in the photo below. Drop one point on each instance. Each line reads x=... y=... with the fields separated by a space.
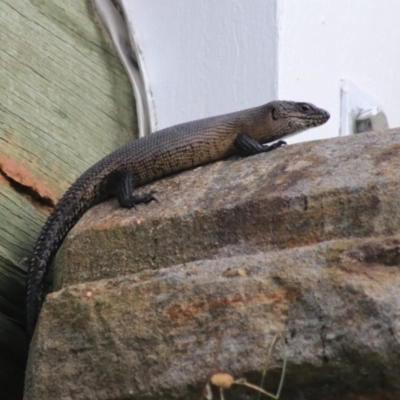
x=65 y=102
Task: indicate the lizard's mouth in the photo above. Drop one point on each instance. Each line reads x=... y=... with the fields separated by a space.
x=319 y=119
x=306 y=122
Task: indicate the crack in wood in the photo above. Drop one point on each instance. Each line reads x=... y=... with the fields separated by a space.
x=26 y=184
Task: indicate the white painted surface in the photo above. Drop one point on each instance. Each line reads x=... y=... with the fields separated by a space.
x=120 y=35
x=202 y=58
x=324 y=41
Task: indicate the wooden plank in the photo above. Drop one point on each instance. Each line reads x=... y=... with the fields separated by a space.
x=65 y=102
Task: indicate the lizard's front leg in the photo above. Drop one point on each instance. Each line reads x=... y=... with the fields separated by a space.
x=248 y=146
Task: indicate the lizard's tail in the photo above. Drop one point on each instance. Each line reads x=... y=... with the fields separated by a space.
x=35 y=290
x=50 y=239
x=64 y=216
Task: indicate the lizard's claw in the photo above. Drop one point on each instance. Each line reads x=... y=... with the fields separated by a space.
x=147 y=197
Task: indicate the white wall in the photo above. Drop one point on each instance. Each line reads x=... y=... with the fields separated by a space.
x=323 y=41
x=202 y=58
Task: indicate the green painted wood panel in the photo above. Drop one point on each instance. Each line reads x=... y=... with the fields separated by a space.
x=65 y=102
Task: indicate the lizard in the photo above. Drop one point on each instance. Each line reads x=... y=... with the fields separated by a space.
x=155 y=156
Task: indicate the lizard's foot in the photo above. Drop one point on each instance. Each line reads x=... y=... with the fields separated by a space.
x=146 y=197
x=275 y=145
x=248 y=146
x=125 y=188
x=132 y=201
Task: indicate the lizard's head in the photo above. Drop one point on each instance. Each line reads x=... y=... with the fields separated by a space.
x=289 y=117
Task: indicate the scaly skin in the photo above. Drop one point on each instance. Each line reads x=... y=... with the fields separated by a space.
x=155 y=156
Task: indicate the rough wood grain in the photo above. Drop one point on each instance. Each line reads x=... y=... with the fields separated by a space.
x=65 y=102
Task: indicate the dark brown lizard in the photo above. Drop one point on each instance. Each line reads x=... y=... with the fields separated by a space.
x=155 y=156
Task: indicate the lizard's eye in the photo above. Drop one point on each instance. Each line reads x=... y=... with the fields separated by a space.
x=304 y=108
x=274 y=113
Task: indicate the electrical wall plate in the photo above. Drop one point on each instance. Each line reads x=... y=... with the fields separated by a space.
x=359 y=111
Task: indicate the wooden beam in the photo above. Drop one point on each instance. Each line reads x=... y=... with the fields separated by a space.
x=65 y=102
